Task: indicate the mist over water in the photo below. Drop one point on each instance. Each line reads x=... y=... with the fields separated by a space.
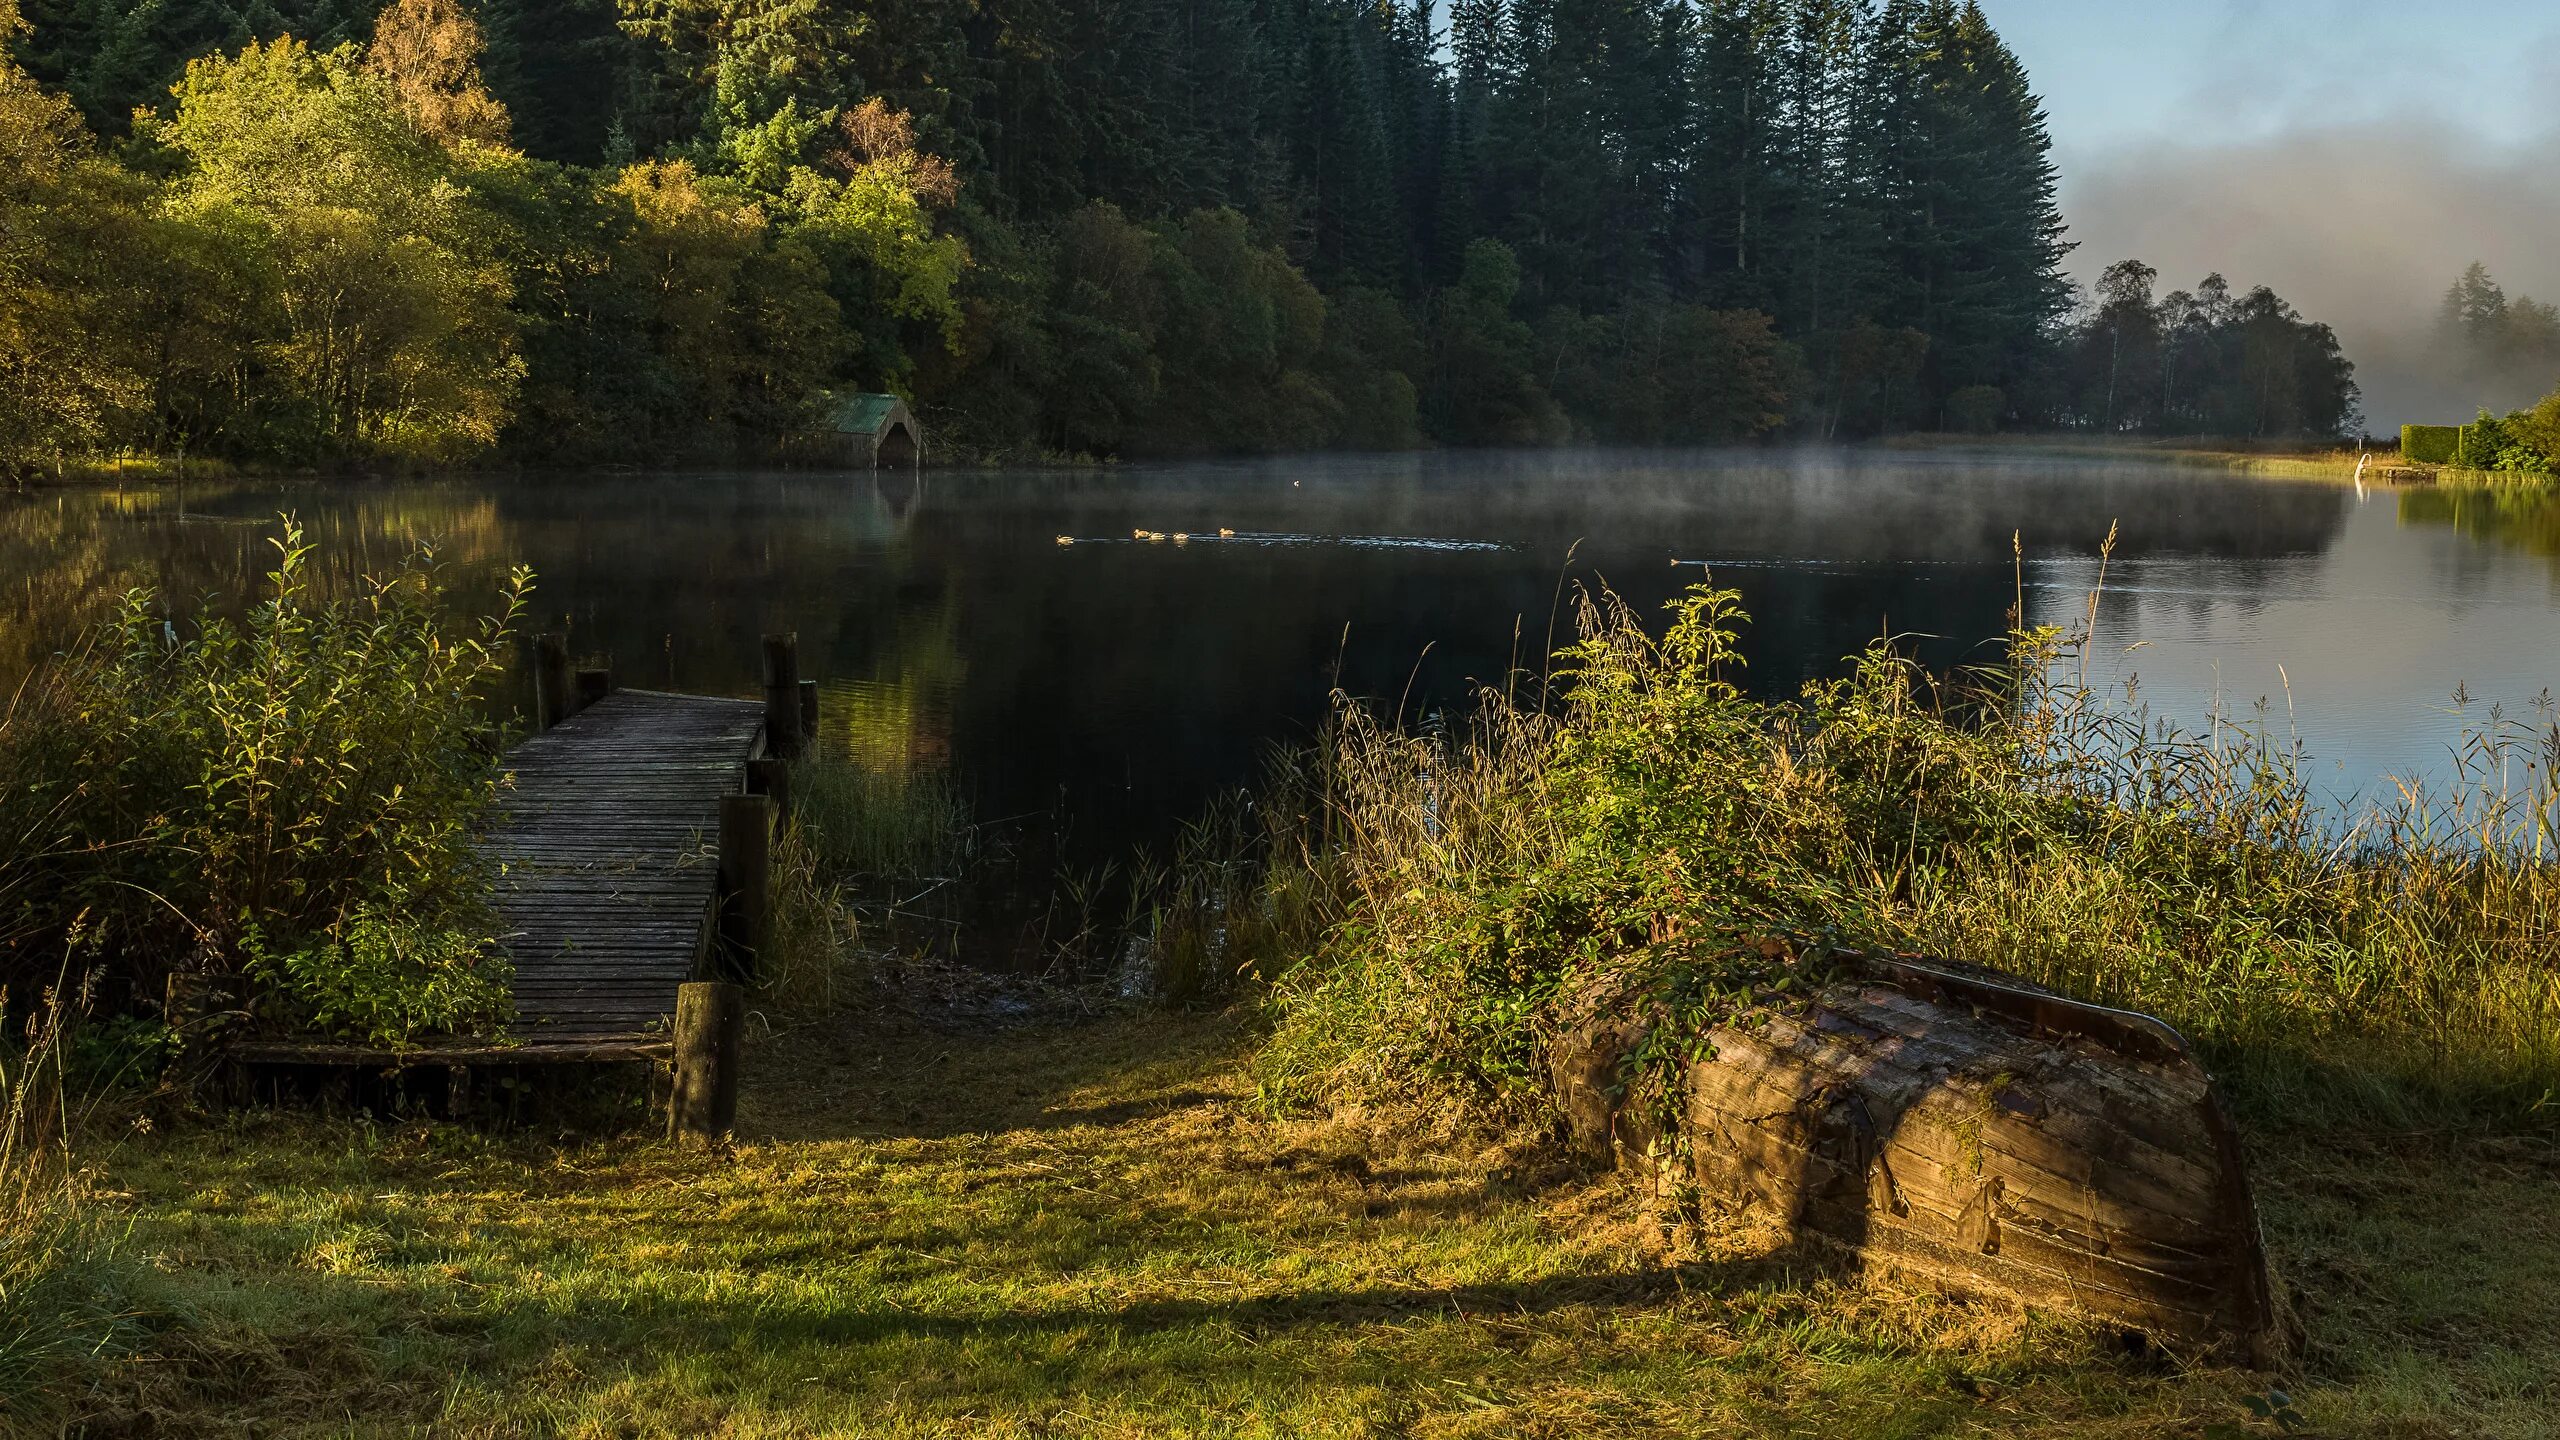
x=2361 y=223
x=1114 y=685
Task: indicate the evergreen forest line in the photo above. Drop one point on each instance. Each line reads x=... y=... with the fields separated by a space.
x=655 y=231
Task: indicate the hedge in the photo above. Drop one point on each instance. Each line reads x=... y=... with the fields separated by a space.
x=2430 y=444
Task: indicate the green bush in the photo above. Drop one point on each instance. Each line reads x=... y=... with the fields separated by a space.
x=2430 y=444
x=289 y=797
x=1664 y=829
x=2490 y=443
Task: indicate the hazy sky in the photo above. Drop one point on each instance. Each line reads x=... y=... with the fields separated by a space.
x=2353 y=154
x=2115 y=74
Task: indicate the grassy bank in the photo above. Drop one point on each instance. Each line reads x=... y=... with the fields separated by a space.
x=2320 y=460
x=2389 y=965
x=968 y=1205
x=2284 y=460
x=1086 y=1226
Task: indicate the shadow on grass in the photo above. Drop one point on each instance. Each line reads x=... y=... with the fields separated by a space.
x=763 y=1320
x=385 y=1350
x=1123 y=1112
x=867 y=1079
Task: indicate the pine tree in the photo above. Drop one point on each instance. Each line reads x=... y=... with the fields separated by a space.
x=1734 y=158
x=564 y=70
x=113 y=56
x=2004 y=283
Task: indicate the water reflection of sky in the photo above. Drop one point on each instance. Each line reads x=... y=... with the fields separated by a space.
x=2359 y=648
x=1123 y=683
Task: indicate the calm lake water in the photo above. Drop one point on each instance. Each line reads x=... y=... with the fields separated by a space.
x=1114 y=685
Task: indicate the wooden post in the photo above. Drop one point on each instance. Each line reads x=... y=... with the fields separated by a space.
x=809 y=711
x=746 y=883
x=551 y=679
x=782 y=728
x=594 y=683
x=772 y=779
x=710 y=1032
x=197 y=1008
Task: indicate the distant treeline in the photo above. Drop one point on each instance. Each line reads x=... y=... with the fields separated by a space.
x=2502 y=347
x=2498 y=347
x=2201 y=362
x=586 y=231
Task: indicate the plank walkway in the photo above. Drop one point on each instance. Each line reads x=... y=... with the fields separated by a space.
x=607 y=845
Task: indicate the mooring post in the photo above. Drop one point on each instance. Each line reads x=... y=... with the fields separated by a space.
x=772 y=779
x=710 y=1030
x=196 y=1009
x=551 y=678
x=809 y=711
x=782 y=728
x=594 y=683
x=746 y=880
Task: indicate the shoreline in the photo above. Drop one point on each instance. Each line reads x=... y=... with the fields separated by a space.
x=2325 y=462
x=2328 y=462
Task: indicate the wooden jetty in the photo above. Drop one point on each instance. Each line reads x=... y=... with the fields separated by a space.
x=606 y=846
x=629 y=845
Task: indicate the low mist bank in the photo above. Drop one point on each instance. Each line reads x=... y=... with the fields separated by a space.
x=2363 y=225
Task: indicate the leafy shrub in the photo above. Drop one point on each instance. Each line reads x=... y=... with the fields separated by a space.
x=2490 y=443
x=288 y=796
x=1659 y=825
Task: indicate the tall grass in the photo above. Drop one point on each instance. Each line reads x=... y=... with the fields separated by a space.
x=903 y=855
x=1246 y=890
x=56 y=1253
x=814 y=930
x=859 y=821
x=1654 y=821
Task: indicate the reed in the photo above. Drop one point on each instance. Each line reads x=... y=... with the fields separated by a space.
x=1246 y=890
x=859 y=821
x=2389 y=961
x=815 y=932
x=57 y=1291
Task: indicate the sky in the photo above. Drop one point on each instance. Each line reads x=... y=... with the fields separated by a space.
x=2352 y=154
x=2184 y=71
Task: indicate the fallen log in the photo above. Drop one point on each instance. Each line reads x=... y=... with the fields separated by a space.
x=1960 y=1128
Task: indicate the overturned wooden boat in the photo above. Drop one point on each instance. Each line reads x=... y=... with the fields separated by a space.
x=1961 y=1128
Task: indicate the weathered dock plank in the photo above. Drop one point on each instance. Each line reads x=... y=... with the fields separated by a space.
x=606 y=842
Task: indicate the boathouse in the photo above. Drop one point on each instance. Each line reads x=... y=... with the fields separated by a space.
x=876 y=430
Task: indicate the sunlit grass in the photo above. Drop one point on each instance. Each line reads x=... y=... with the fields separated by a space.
x=1092 y=1230
x=2386 y=964
x=59 y=1270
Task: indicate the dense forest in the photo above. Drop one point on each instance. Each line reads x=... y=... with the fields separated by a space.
x=2202 y=362
x=590 y=231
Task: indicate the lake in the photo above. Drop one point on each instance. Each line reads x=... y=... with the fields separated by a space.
x=1110 y=687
